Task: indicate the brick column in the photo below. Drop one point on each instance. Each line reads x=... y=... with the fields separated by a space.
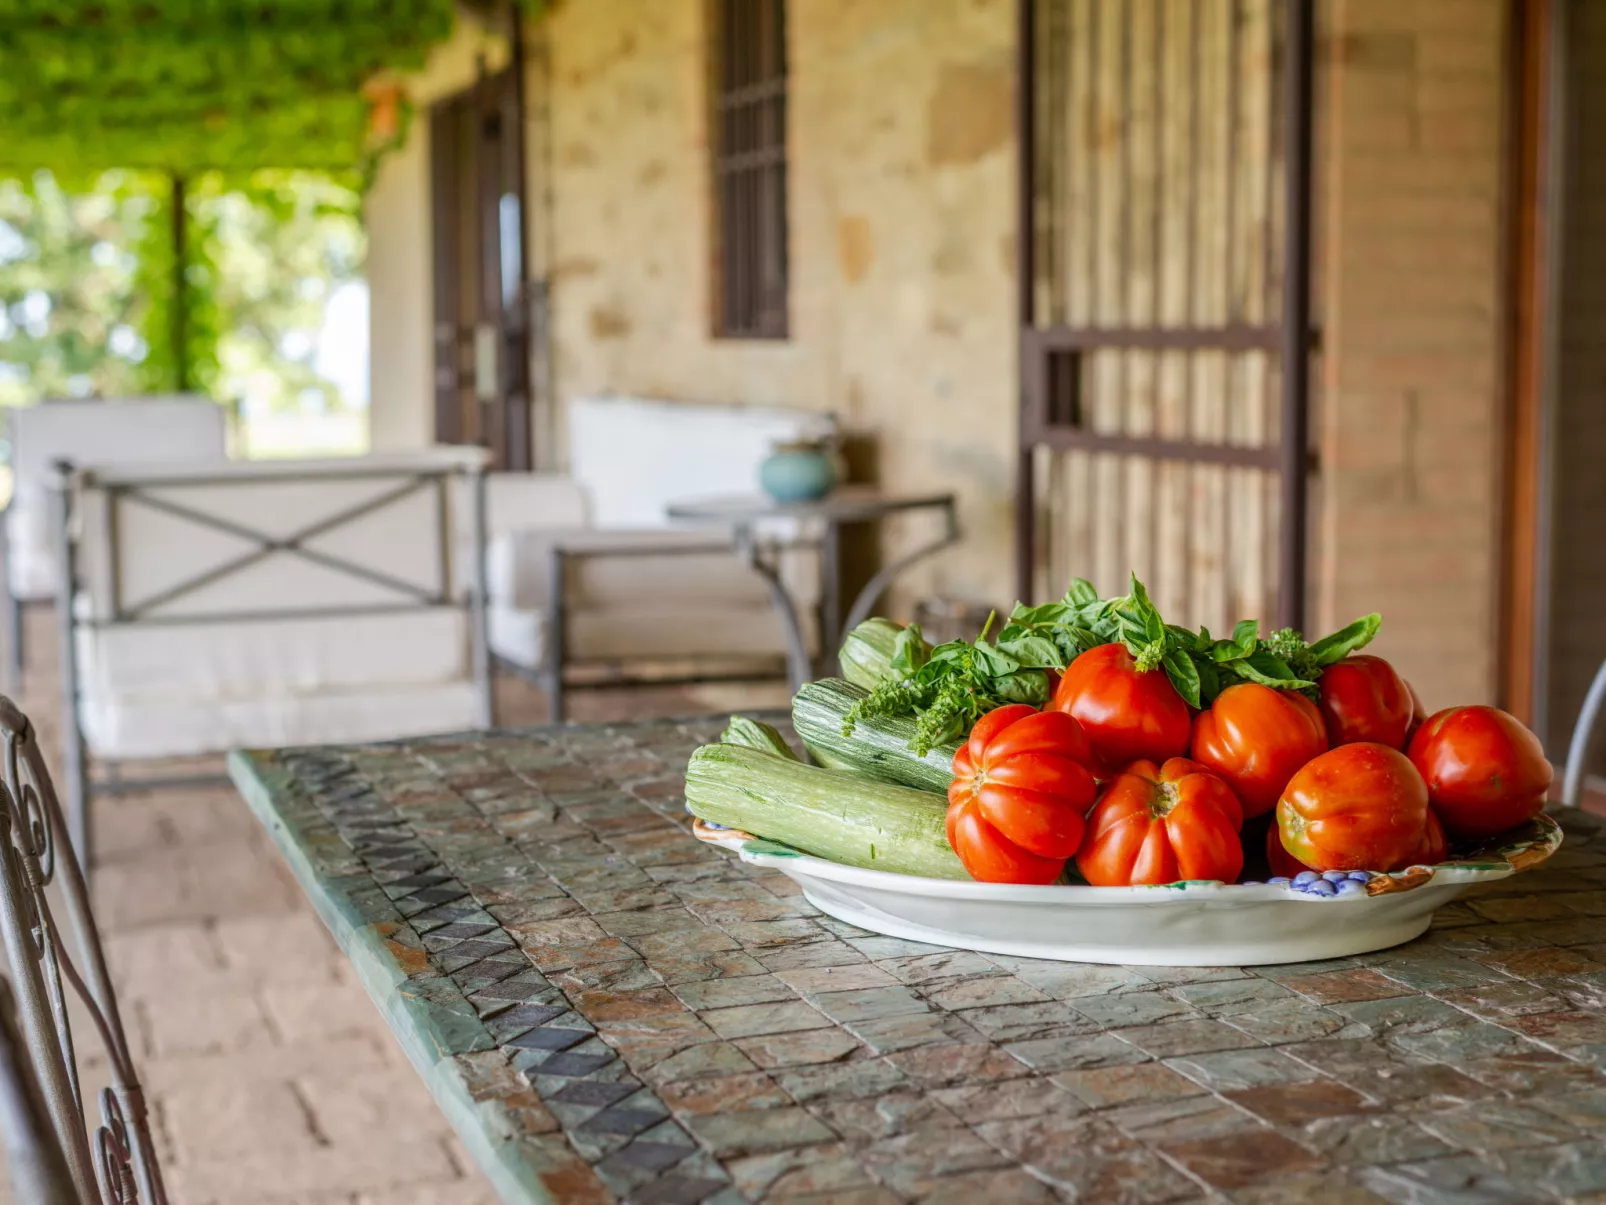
x=1412 y=376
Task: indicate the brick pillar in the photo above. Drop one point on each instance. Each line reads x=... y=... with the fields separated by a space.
x=1412 y=376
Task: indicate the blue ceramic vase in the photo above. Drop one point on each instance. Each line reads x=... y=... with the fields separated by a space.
x=798 y=472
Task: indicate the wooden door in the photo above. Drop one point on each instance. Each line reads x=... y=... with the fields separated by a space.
x=482 y=299
x=1165 y=294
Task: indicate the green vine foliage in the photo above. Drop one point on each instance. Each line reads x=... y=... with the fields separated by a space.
x=185 y=85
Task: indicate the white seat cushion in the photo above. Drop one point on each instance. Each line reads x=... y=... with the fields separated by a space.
x=693 y=567
x=228 y=659
x=643 y=634
x=132 y=431
x=146 y=728
x=31 y=562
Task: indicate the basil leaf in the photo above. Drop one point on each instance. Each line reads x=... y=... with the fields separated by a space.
x=1346 y=640
x=1036 y=651
x=995 y=662
x=909 y=651
x=1223 y=652
x=1245 y=633
x=1026 y=686
x=1209 y=681
x=1180 y=669
x=1268 y=669
x=1044 y=615
x=1081 y=592
x=1078 y=639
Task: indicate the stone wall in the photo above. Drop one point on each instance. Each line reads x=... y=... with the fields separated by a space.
x=1412 y=375
x=903 y=276
x=902 y=194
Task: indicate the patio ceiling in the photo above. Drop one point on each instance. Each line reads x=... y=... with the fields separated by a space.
x=184 y=85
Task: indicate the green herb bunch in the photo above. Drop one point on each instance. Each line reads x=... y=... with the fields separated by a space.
x=951 y=686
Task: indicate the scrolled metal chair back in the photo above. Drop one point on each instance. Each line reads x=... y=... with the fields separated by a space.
x=111 y=1162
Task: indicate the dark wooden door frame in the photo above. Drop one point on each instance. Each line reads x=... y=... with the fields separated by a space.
x=1292 y=336
x=496 y=159
x=1535 y=154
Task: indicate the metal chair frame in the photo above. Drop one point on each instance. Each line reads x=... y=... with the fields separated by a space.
x=54 y=1152
x=1572 y=791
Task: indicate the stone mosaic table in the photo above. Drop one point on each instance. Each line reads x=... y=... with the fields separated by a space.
x=608 y=1010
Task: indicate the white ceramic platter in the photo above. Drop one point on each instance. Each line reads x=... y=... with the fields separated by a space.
x=1183 y=924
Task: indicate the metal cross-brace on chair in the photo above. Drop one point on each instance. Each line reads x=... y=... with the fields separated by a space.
x=53 y=1152
x=210 y=607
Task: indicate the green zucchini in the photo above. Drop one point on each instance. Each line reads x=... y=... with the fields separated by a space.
x=755 y=734
x=879 y=746
x=832 y=815
x=866 y=653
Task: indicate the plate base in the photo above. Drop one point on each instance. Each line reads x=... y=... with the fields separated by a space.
x=1267 y=950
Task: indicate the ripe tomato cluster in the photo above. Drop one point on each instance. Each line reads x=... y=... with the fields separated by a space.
x=1121 y=775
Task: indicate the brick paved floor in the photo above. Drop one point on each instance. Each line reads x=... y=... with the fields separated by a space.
x=272 y=1078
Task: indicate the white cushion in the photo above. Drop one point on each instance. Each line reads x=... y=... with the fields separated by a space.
x=692 y=567
x=633 y=457
x=121 y=730
x=658 y=633
x=140 y=430
x=516 y=501
x=233 y=659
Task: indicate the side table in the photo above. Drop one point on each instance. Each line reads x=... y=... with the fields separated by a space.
x=744 y=514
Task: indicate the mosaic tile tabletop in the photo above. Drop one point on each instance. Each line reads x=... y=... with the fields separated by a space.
x=608 y=1010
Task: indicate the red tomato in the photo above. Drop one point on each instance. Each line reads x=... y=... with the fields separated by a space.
x=1161 y=825
x=1433 y=848
x=1127 y=713
x=1255 y=738
x=1020 y=793
x=1363 y=699
x=1283 y=864
x=1485 y=771
x=1419 y=716
x=1358 y=807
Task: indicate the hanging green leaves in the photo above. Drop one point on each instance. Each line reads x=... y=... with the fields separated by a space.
x=187 y=85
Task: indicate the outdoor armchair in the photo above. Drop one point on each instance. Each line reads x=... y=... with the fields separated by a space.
x=590 y=583
x=130 y=431
x=257 y=603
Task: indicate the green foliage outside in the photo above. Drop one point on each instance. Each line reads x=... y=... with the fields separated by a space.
x=70 y=314
x=87 y=285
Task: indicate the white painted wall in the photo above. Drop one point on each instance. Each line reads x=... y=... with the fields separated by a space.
x=400 y=408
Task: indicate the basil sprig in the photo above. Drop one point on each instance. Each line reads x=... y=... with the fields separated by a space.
x=951 y=686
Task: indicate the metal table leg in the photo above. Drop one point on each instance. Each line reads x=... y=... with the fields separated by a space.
x=830 y=594
x=798 y=666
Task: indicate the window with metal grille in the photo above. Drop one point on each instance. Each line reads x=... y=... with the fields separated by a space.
x=749 y=149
